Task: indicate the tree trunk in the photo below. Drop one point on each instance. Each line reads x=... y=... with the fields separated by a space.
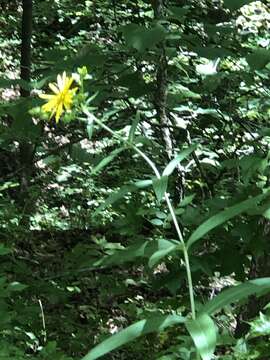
x=161 y=100
x=26 y=148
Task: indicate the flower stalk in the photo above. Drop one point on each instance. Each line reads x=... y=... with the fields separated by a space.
x=169 y=205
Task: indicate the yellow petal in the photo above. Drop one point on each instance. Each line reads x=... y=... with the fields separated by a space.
x=58 y=112
x=61 y=81
x=68 y=83
x=62 y=96
x=46 y=96
x=48 y=107
x=67 y=103
x=54 y=88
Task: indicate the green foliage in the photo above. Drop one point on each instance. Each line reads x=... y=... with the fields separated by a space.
x=101 y=229
x=203 y=332
x=140 y=328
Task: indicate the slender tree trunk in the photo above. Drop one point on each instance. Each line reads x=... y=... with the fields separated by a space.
x=26 y=37
x=26 y=149
x=161 y=100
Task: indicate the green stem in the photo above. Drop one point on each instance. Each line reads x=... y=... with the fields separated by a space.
x=170 y=207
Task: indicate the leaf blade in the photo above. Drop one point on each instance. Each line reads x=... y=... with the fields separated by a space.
x=132 y=332
x=236 y=4
x=236 y=293
x=222 y=217
x=124 y=190
x=160 y=186
x=134 y=126
x=203 y=332
x=104 y=162
x=174 y=162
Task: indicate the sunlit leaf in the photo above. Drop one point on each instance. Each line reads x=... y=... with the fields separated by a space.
x=133 y=127
x=260 y=326
x=160 y=186
x=123 y=191
x=174 y=162
x=104 y=162
x=256 y=287
x=143 y=327
x=222 y=217
x=203 y=332
x=160 y=249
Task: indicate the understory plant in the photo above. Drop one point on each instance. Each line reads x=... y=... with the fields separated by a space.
x=200 y=321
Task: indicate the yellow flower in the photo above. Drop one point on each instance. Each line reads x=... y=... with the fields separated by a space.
x=61 y=99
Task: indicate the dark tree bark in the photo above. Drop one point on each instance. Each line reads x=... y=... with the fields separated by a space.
x=161 y=100
x=26 y=148
x=26 y=37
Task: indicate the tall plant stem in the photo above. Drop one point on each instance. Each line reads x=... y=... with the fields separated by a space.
x=169 y=204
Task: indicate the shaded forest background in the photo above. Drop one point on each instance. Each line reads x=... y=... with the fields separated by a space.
x=88 y=246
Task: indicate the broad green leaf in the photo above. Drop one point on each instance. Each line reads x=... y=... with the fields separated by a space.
x=90 y=128
x=258 y=59
x=134 y=126
x=141 y=184
x=157 y=222
x=121 y=193
x=174 y=162
x=222 y=217
x=212 y=53
x=180 y=92
x=104 y=162
x=6 y=83
x=253 y=287
x=178 y=13
x=160 y=249
x=16 y=286
x=142 y=38
x=160 y=186
x=115 y=196
x=143 y=327
x=90 y=56
x=4 y=250
x=122 y=256
x=8 y=185
x=154 y=250
x=203 y=332
x=236 y=4
x=187 y=200
x=78 y=154
x=260 y=326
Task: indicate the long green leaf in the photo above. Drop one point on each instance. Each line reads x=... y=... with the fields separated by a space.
x=160 y=186
x=90 y=129
x=203 y=332
x=143 y=327
x=104 y=162
x=134 y=126
x=128 y=254
x=157 y=250
x=114 y=197
x=174 y=162
x=236 y=4
x=222 y=217
x=121 y=193
x=253 y=287
x=154 y=250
